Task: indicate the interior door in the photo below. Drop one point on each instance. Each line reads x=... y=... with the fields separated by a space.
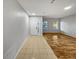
x=36 y=25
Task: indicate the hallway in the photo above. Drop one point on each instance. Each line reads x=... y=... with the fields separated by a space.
x=25 y=21
x=36 y=48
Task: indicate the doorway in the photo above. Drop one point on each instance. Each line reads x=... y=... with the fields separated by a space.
x=35 y=25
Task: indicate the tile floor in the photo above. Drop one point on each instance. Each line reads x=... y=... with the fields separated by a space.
x=36 y=48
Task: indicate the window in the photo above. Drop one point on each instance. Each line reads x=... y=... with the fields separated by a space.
x=55 y=24
x=45 y=25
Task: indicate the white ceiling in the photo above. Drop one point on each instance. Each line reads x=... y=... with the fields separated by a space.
x=45 y=8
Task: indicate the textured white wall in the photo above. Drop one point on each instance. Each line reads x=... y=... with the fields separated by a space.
x=68 y=25
x=15 y=27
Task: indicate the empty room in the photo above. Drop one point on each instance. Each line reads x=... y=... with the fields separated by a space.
x=39 y=29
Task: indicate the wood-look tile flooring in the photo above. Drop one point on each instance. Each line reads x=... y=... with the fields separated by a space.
x=36 y=47
x=63 y=46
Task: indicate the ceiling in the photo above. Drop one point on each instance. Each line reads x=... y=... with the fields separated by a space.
x=48 y=9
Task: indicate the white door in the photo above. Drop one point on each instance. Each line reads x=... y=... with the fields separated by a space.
x=36 y=25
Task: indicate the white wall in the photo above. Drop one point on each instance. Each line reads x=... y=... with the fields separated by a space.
x=68 y=25
x=15 y=28
x=51 y=28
